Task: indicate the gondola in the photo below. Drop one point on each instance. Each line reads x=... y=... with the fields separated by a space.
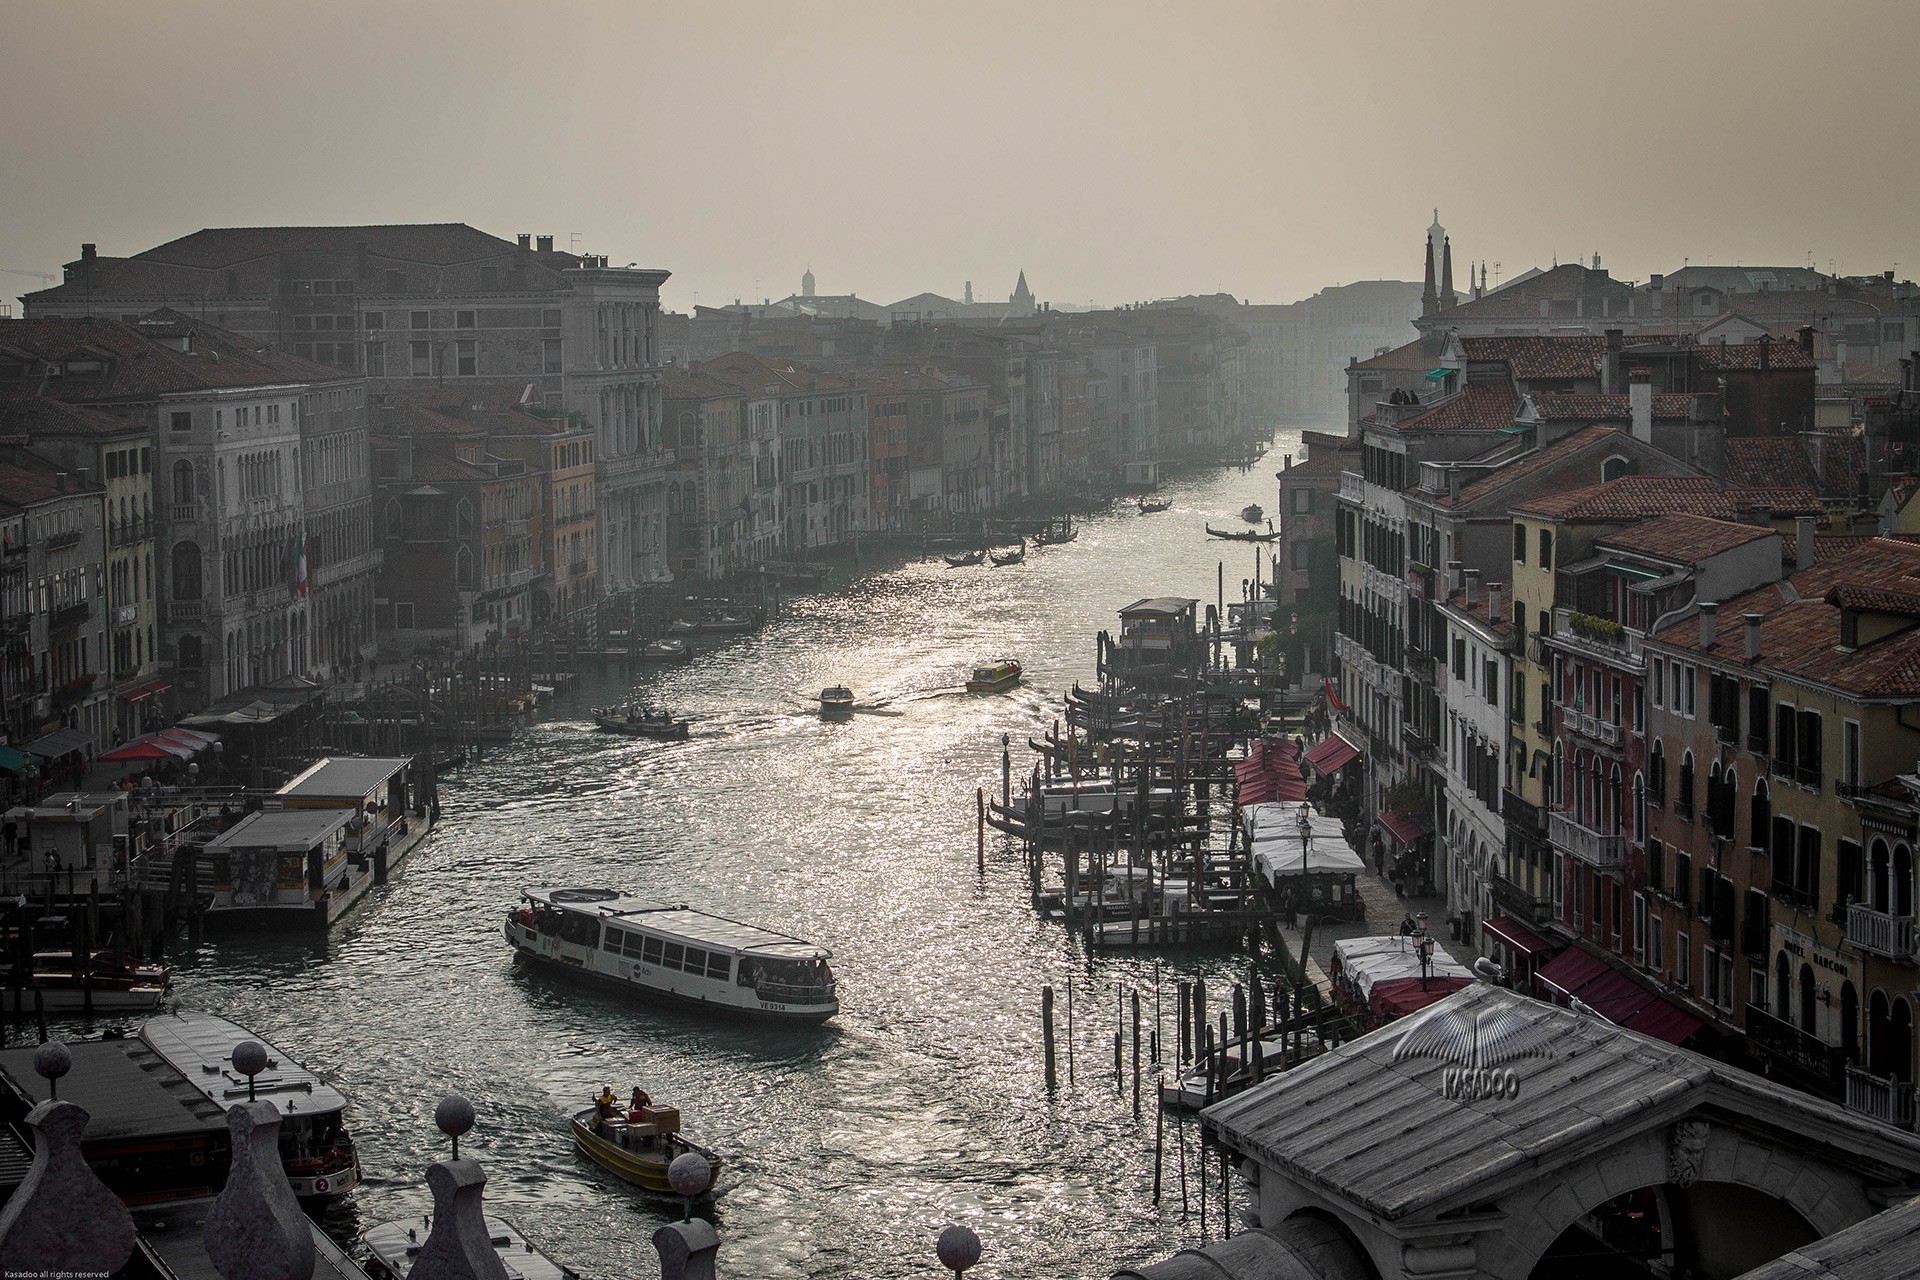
x=1248 y=535
x=1012 y=557
x=965 y=560
x=1154 y=508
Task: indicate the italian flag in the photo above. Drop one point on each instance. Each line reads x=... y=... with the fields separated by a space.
x=299 y=566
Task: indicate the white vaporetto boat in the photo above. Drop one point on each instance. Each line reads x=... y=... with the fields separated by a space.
x=674 y=952
x=314 y=1143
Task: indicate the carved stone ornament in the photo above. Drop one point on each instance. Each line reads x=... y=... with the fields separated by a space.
x=1686 y=1151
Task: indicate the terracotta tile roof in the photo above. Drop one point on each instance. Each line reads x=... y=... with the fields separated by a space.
x=138 y=363
x=1319 y=466
x=1529 y=464
x=1746 y=355
x=1684 y=538
x=679 y=384
x=44 y=416
x=1501 y=624
x=1634 y=498
x=1776 y=500
x=439 y=243
x=1537 y=356
x=1851 y=595
x=753 y=374
x=1768 y=461
x=27 y=480
x=1554 y=406
x=434 y=468
x=1482 y=406
x=1800 y=630
x=1418 y=356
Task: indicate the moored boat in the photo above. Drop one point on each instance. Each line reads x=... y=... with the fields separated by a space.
x=638 y=1144
x=640 y=720
x=673 y=952
x=836 y=702
x=315 y=1146
x=394 y=1247
x=1148 y=508
x=1014 y=556
x=666 y=650
x=965 y=559
x=1053 y=535
x=54 y=983
x=995 y=677
x=1252 y=513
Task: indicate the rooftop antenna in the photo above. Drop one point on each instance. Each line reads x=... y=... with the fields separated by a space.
x=573 y=241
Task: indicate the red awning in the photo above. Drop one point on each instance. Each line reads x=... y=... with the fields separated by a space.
x=1405 y=830
x=1271 y=772
x=1333 y=752
x=1618 y=997
x=1513 y=934
x=141 y=692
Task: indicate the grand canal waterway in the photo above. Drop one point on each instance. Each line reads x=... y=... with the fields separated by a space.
x=848 y=1146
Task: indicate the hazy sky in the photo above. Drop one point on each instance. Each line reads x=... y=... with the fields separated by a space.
x=1116 y=151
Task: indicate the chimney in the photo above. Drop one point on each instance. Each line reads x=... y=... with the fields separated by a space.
x=1709 y=623
x=1766 y=351
x=1473 y=588
x=1494 y=591
x=1654 y=282
x=88 y=253
x=544 y=244
x=525 y=239
x=1640 y=403
x=1805 y=334
x=1753 y=635
x=1286 y=460
x=1453 y=576
x=1803 y=543
x=1453 y=485
x=1616 y=338
x=60 y=481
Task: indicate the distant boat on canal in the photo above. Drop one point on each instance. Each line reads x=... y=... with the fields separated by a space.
x=836 y=703
x=665 y=651
x=1252 y=513
x=639 y=720
x=637 y=1145
x=995 y=677
x=673 y=952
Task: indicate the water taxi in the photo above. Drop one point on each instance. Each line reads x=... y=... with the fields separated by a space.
x=674 y=952
x=636 y=1145
x=395 y=1246
x=665 y=651
x=995 y=677
x=836 y=702
x=640 y=720
x=1252 y=513
x=315 y=1146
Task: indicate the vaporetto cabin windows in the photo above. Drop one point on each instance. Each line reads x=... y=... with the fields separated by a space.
x=669 y=955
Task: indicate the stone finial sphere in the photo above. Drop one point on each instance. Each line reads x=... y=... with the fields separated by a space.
x=958 y=1248
x=249 y=1058
x=689 y=1174
x=454 y=1115
x=52 y=1060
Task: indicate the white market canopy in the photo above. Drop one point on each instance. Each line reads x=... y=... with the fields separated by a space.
x=1393 y=958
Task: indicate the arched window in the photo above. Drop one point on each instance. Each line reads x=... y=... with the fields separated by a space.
x=1729 y=795
x=1879 y=1033
x=1613 y=817
x=463 y=569
x=186 y=571
x=1900 y=1040
x=392 y=515
x=1613 y=468
x=183 y=481
x=1640 y=807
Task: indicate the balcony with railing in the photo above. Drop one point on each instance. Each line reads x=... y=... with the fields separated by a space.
x=1823 y=1063
x=577 y=569
x=62 y=541
x=1353 y=486
x=1414 y=746
x=1595 y=637
x=1881 y=932
x=1598 y=850
x=1591 y=727
x=1887 y=1100
x=186 y=610
x=179 y=512
x=67 y=617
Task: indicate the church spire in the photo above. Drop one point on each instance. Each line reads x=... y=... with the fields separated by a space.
x=1022 y=296
x=806 y=282
x=1428 y=299
x=1448 y=300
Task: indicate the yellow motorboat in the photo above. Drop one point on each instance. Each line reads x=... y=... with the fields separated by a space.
x=638 y=1145
x=996 y=677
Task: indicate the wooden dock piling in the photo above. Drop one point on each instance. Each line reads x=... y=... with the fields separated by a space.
x=1046 y=1034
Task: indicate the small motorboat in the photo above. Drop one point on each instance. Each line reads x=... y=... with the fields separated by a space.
x=668 y=650
x=965 y=559
x=1149 y=508
x=1014 y=556
x=1252 y=513
x=394 y=1246
x=725 y=623
x=640 y=720
x=995 y=677
x=836 y=702
x=637 y=1144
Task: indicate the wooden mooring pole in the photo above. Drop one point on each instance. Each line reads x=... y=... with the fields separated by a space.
x=1046 y=1034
